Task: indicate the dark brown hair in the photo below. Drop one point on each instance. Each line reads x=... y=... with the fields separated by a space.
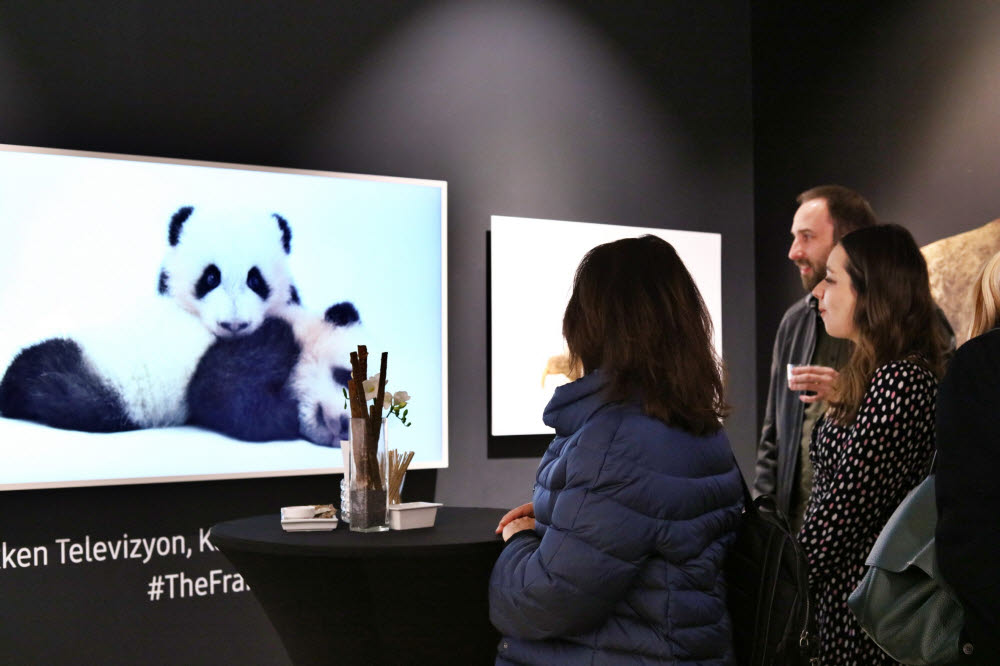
x=636 y=314
x=894 y=315
x=848 y=209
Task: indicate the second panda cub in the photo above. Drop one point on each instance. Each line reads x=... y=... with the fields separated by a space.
x=284 y=381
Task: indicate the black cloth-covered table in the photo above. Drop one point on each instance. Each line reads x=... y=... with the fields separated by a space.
x=342 y=597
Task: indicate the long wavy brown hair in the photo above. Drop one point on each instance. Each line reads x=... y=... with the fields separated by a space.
x=636 y=314
x=895 y=316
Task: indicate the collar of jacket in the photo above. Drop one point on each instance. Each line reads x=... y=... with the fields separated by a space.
x=813 y=303
x=572 y=404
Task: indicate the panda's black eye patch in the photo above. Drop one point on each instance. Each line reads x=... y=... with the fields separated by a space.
x=210 y=278
x=257 y=283
x=341 y=375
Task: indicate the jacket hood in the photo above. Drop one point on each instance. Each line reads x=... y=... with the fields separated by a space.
x=572 y=404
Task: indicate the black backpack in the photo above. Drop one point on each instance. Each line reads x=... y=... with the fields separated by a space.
x=768 y=590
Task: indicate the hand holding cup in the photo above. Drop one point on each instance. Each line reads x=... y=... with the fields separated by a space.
x=815 y=381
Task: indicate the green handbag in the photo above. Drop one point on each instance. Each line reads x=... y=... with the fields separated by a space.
x=902 y=602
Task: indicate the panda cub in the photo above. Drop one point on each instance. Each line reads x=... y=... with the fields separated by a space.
x=284 y=381
x=229 y=270
x=222 y=278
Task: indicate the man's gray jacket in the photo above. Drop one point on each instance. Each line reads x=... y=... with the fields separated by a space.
x=781 y=436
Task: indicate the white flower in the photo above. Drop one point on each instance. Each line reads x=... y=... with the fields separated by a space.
x=400 y=398
x=371 y=387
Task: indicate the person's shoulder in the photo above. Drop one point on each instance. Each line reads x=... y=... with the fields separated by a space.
x=980 y=347
x=624 y=417
x=902 y=374
x=976 y=361
x=635 y=428
x=800 y=308
x=599 y=429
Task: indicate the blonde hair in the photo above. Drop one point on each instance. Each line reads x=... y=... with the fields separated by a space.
x=987 y=298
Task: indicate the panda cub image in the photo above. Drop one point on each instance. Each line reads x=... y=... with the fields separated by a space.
x=284 y=381
x=224 y=284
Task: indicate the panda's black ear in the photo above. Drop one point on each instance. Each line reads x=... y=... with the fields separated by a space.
x=342 y=314
x=177 y=223
x=286 y=233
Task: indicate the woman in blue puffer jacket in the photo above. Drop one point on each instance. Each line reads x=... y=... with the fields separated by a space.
x=619 y=557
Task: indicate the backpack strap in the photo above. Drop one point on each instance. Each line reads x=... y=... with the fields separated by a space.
x=748 y=502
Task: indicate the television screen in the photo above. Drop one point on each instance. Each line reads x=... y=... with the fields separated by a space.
x=132 y=325
x=532 y=263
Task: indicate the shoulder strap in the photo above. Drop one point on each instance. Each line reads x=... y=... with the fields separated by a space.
x=748 y=502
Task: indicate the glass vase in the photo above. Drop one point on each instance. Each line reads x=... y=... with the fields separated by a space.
x=345 y=499
x=366 y=480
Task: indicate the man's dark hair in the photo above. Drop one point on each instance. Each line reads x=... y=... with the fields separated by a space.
x=848 y=209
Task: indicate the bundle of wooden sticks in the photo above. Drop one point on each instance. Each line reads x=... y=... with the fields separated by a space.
x=398 y=463
x=365 y=447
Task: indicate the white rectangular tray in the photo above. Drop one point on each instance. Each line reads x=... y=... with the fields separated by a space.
x=308 y=524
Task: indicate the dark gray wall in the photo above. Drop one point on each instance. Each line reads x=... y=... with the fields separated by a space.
x=624 y=112
x=540 y=112
x=898 y=100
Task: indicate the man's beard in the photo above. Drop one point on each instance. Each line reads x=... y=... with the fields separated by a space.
x=813 y=277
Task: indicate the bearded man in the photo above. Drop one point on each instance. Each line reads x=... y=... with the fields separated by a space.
x=805 y=360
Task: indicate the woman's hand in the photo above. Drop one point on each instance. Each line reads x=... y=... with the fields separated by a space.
x=523 y=511
x=818 y=379
x=516 y=525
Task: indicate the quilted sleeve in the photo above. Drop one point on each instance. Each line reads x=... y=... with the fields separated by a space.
x=567 y=581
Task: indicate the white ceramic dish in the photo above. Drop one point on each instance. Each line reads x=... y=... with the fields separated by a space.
x=412 y=515
x=305 y=511
x=308 y=524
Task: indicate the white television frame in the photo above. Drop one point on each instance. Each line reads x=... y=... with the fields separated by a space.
x=532 y=264
x=368 y=201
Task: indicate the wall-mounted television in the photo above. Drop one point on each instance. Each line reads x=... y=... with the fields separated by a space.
x=532 y=264
x=83 y=238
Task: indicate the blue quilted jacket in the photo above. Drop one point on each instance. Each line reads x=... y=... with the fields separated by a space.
x=633 y=521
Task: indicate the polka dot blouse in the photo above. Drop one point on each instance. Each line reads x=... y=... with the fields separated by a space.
x=862 y=472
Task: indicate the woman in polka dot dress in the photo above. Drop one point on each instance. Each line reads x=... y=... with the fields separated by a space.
x=875 y=442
